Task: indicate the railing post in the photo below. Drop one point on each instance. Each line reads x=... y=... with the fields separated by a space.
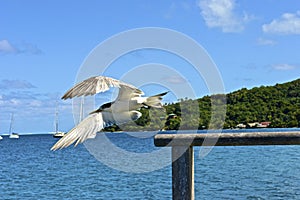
x=182 y=173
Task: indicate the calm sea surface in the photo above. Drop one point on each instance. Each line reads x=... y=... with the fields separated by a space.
x=29 y=170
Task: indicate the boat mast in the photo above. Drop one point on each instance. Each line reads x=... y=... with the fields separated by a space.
x=11 y=123
x=81 y=109
x=56 y=118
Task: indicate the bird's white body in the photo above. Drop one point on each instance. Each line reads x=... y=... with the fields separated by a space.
x=122 y=110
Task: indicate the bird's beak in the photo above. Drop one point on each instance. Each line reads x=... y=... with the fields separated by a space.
x=96 y=111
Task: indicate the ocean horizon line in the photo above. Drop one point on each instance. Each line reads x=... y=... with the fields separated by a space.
x=209 y=130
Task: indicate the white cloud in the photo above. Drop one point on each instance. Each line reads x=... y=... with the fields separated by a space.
x=15 y=84
x=6 y=47
x=176 y=7
x=170 y=12
x=35 y=103
x=263 y=41
x=15 y=102
x=174 y=79
x=33 y=111
x=221 y=13
x=288 y=23
x=29 y=48
x=283 y=67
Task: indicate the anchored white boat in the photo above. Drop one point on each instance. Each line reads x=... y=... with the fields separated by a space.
x=57 y=133
x=12 y=135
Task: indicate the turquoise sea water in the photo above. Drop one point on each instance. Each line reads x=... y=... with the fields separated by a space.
x=29 y=170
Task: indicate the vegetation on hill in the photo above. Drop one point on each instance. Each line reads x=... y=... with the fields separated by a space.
x=279 y=105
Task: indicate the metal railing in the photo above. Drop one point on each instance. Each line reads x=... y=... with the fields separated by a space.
x=183 y=153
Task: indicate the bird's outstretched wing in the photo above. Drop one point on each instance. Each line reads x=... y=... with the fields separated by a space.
x=84 y=130
x=94 y=123
x=127 y=93
x=96 y=85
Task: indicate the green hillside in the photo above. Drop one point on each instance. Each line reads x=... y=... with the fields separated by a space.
x=279 y=105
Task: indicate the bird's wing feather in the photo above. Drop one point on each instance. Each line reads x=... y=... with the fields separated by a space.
x=84 y=130
x=96 y=85
x=127 y=93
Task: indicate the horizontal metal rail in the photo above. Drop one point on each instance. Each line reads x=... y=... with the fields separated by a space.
x=228 y=139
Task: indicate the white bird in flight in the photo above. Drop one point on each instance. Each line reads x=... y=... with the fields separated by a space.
x=122 y=110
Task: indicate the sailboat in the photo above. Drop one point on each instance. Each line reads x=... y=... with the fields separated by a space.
x=57 y=133
x=12 y=135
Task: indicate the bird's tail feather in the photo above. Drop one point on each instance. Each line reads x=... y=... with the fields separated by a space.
x=155 y=101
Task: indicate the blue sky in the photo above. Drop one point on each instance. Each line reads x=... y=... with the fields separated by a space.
x=44 y=43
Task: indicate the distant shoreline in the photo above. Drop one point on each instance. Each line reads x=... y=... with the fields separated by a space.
x=202 y=130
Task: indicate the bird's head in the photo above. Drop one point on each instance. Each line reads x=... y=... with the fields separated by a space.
x=102 y=107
